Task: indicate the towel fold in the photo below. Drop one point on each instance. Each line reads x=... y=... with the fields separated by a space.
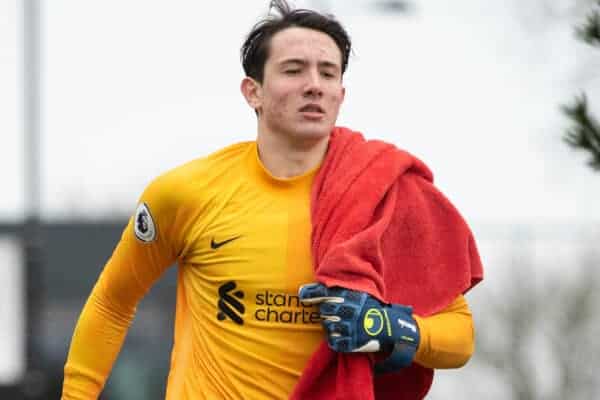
x=380 y=226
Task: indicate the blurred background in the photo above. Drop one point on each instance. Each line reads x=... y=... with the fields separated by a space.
x=97 y=98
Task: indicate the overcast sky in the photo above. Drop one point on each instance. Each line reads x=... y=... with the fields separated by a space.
x=133 y=88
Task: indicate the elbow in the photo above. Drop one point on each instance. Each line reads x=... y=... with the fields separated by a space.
x=465 y=356
x=463 y=350
x=468 y=348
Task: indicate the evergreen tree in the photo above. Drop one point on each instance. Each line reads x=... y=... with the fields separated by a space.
x=585 y=131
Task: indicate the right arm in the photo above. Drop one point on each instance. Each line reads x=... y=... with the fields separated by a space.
x=131 y=271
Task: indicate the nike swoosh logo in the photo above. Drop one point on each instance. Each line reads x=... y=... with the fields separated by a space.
x=215 y=245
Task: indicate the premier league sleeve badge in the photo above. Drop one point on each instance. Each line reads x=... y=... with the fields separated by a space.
x=144 y=227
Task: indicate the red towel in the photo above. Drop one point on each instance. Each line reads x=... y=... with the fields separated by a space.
x=380 y=226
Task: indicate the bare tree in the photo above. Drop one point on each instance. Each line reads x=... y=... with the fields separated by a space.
x=539 y=336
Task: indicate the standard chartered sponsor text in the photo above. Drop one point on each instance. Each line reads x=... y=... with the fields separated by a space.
x=284 y=308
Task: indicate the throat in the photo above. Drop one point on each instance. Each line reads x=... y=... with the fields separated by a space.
x=291 y=161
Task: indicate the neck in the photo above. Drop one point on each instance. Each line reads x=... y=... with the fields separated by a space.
x=287 y=158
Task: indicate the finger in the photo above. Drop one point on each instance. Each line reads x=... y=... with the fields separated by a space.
x=337 y=312
x=347 y=312
x=313 y=293
x=348 y=295
x=337 y=328
x=328 y=308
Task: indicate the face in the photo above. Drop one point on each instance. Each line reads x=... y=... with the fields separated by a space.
x=302 y=90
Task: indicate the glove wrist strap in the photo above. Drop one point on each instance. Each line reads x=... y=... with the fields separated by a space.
x=402 y=356
x=405 y=347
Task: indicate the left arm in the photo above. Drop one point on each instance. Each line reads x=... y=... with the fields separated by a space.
x=357 y=322
x=447 y=337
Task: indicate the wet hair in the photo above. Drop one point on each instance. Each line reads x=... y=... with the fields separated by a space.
x=255 y=50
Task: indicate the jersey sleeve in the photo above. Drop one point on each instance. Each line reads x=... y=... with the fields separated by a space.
x=151 y=242
x=447 y=337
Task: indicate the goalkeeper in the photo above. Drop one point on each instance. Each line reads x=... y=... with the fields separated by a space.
x=238 y=225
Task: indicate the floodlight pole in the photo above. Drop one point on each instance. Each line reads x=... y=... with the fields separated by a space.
x=31 y=109
x=33 y=386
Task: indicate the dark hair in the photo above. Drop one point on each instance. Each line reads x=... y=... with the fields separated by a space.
x=255 y=50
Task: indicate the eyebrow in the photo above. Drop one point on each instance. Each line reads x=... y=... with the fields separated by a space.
x=299 y=61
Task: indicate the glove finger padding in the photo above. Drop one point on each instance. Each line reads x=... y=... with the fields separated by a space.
x=315 y=293
x=337 y=329
x=328 y=308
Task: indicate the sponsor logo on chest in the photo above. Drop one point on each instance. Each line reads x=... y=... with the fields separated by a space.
x=269 y=306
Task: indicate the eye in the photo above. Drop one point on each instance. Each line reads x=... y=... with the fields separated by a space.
x=292 y=71
x=328 y=75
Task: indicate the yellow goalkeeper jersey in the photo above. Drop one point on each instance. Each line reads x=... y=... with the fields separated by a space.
x=241 y=239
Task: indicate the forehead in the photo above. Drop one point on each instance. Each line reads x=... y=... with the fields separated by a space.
x=303 y=43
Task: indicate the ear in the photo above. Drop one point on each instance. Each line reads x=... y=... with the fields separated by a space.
x=252 y=91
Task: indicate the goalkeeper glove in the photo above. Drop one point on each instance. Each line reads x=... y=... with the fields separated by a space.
x=357 y=322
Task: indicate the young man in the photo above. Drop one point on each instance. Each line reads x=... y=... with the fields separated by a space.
x=238 y=223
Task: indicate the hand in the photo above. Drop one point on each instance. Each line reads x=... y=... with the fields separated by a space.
x=357 y=322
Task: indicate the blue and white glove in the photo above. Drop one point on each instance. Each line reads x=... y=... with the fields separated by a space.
x=357 y=322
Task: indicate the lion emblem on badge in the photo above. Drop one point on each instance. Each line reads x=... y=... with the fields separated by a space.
x=144 y=227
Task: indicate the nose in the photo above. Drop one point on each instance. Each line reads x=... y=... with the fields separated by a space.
x=313 y=88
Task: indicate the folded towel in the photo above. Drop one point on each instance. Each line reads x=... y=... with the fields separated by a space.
x=380 y=226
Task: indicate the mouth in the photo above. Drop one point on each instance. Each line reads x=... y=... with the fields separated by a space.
x=312 y=111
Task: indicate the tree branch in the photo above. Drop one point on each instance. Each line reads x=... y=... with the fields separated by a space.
x=585 y=133
x=589 y=32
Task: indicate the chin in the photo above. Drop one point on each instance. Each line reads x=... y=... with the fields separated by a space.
x=314 y=132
